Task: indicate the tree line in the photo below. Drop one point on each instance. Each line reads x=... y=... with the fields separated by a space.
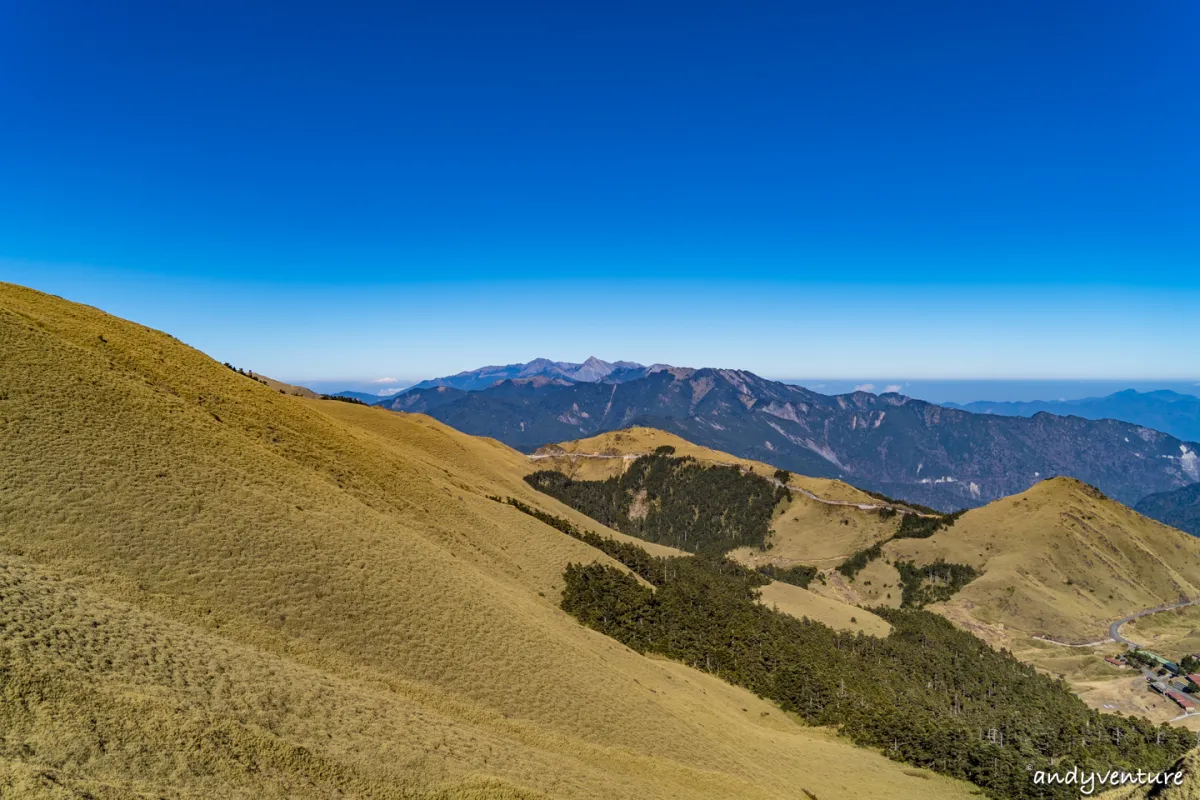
x=932 y=583
x=928 y=694
x=246 y=373
x=341 y=398
x=675 y=501
x=920 y=585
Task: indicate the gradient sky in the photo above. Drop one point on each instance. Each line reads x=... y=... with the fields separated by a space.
x=357 y=191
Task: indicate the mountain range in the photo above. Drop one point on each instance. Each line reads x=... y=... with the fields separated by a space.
x=1163 y=410
x=920 y=452
x=591 y=370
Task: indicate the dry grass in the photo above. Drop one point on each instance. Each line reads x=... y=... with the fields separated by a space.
x=806 y=531
x=638 y=441
x=1171 y=632
x=211 y=589
x=878 y=584
x=1061 y=561
x=830 y=611
x=287 y=388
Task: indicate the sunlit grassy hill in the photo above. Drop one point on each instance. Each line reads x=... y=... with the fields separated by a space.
x=1058 y=560
x=1061 y=560
x=805 y=530
x=209 y=588
x=572 y=458
x=821 y=529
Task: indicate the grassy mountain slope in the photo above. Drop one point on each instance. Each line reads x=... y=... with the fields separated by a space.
x=640 y=440
x=806 y=530
x=212 y=589
x=1061 y=560
x=827 y=610
x=811 y=532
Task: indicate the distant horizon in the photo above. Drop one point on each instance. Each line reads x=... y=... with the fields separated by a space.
x=934 y=390
x=1007 y=190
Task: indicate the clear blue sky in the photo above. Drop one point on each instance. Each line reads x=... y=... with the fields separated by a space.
x=926 y=189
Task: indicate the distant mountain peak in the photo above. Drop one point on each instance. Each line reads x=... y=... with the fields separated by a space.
x=903 y=447
x=592 y=370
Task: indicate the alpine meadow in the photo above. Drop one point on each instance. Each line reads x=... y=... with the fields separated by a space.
x=627 y=401
x=215 y=588
x=251 y=592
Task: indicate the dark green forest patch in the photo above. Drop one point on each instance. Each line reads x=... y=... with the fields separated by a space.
x=857 y=562
x=678 y=502
x=928 y=694
x=798 y=575
x=914 y=526
x=932 y=583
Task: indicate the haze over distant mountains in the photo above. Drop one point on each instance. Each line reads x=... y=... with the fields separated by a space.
x=962 y=391
x=1163 y=410
x=920 y=452
x=593 y=369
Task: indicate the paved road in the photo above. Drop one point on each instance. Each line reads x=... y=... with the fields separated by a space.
x=1114 y=630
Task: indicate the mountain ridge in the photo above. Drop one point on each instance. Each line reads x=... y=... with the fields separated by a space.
x=1162 y=409
x=588 y=371
x=907 y=448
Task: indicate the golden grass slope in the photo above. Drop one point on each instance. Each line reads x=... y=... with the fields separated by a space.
x=287 y=388
x=806 y=530
x=639 y=441
x=1060 y=560
x=1174 y=632
x=827 y=610
x=211 y=589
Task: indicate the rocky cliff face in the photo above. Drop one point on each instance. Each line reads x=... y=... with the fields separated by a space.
x=917 y=451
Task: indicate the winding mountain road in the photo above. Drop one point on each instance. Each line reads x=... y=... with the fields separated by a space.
x=1114 y=630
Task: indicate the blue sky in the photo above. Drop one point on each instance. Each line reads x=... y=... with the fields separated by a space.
x=939 y=190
